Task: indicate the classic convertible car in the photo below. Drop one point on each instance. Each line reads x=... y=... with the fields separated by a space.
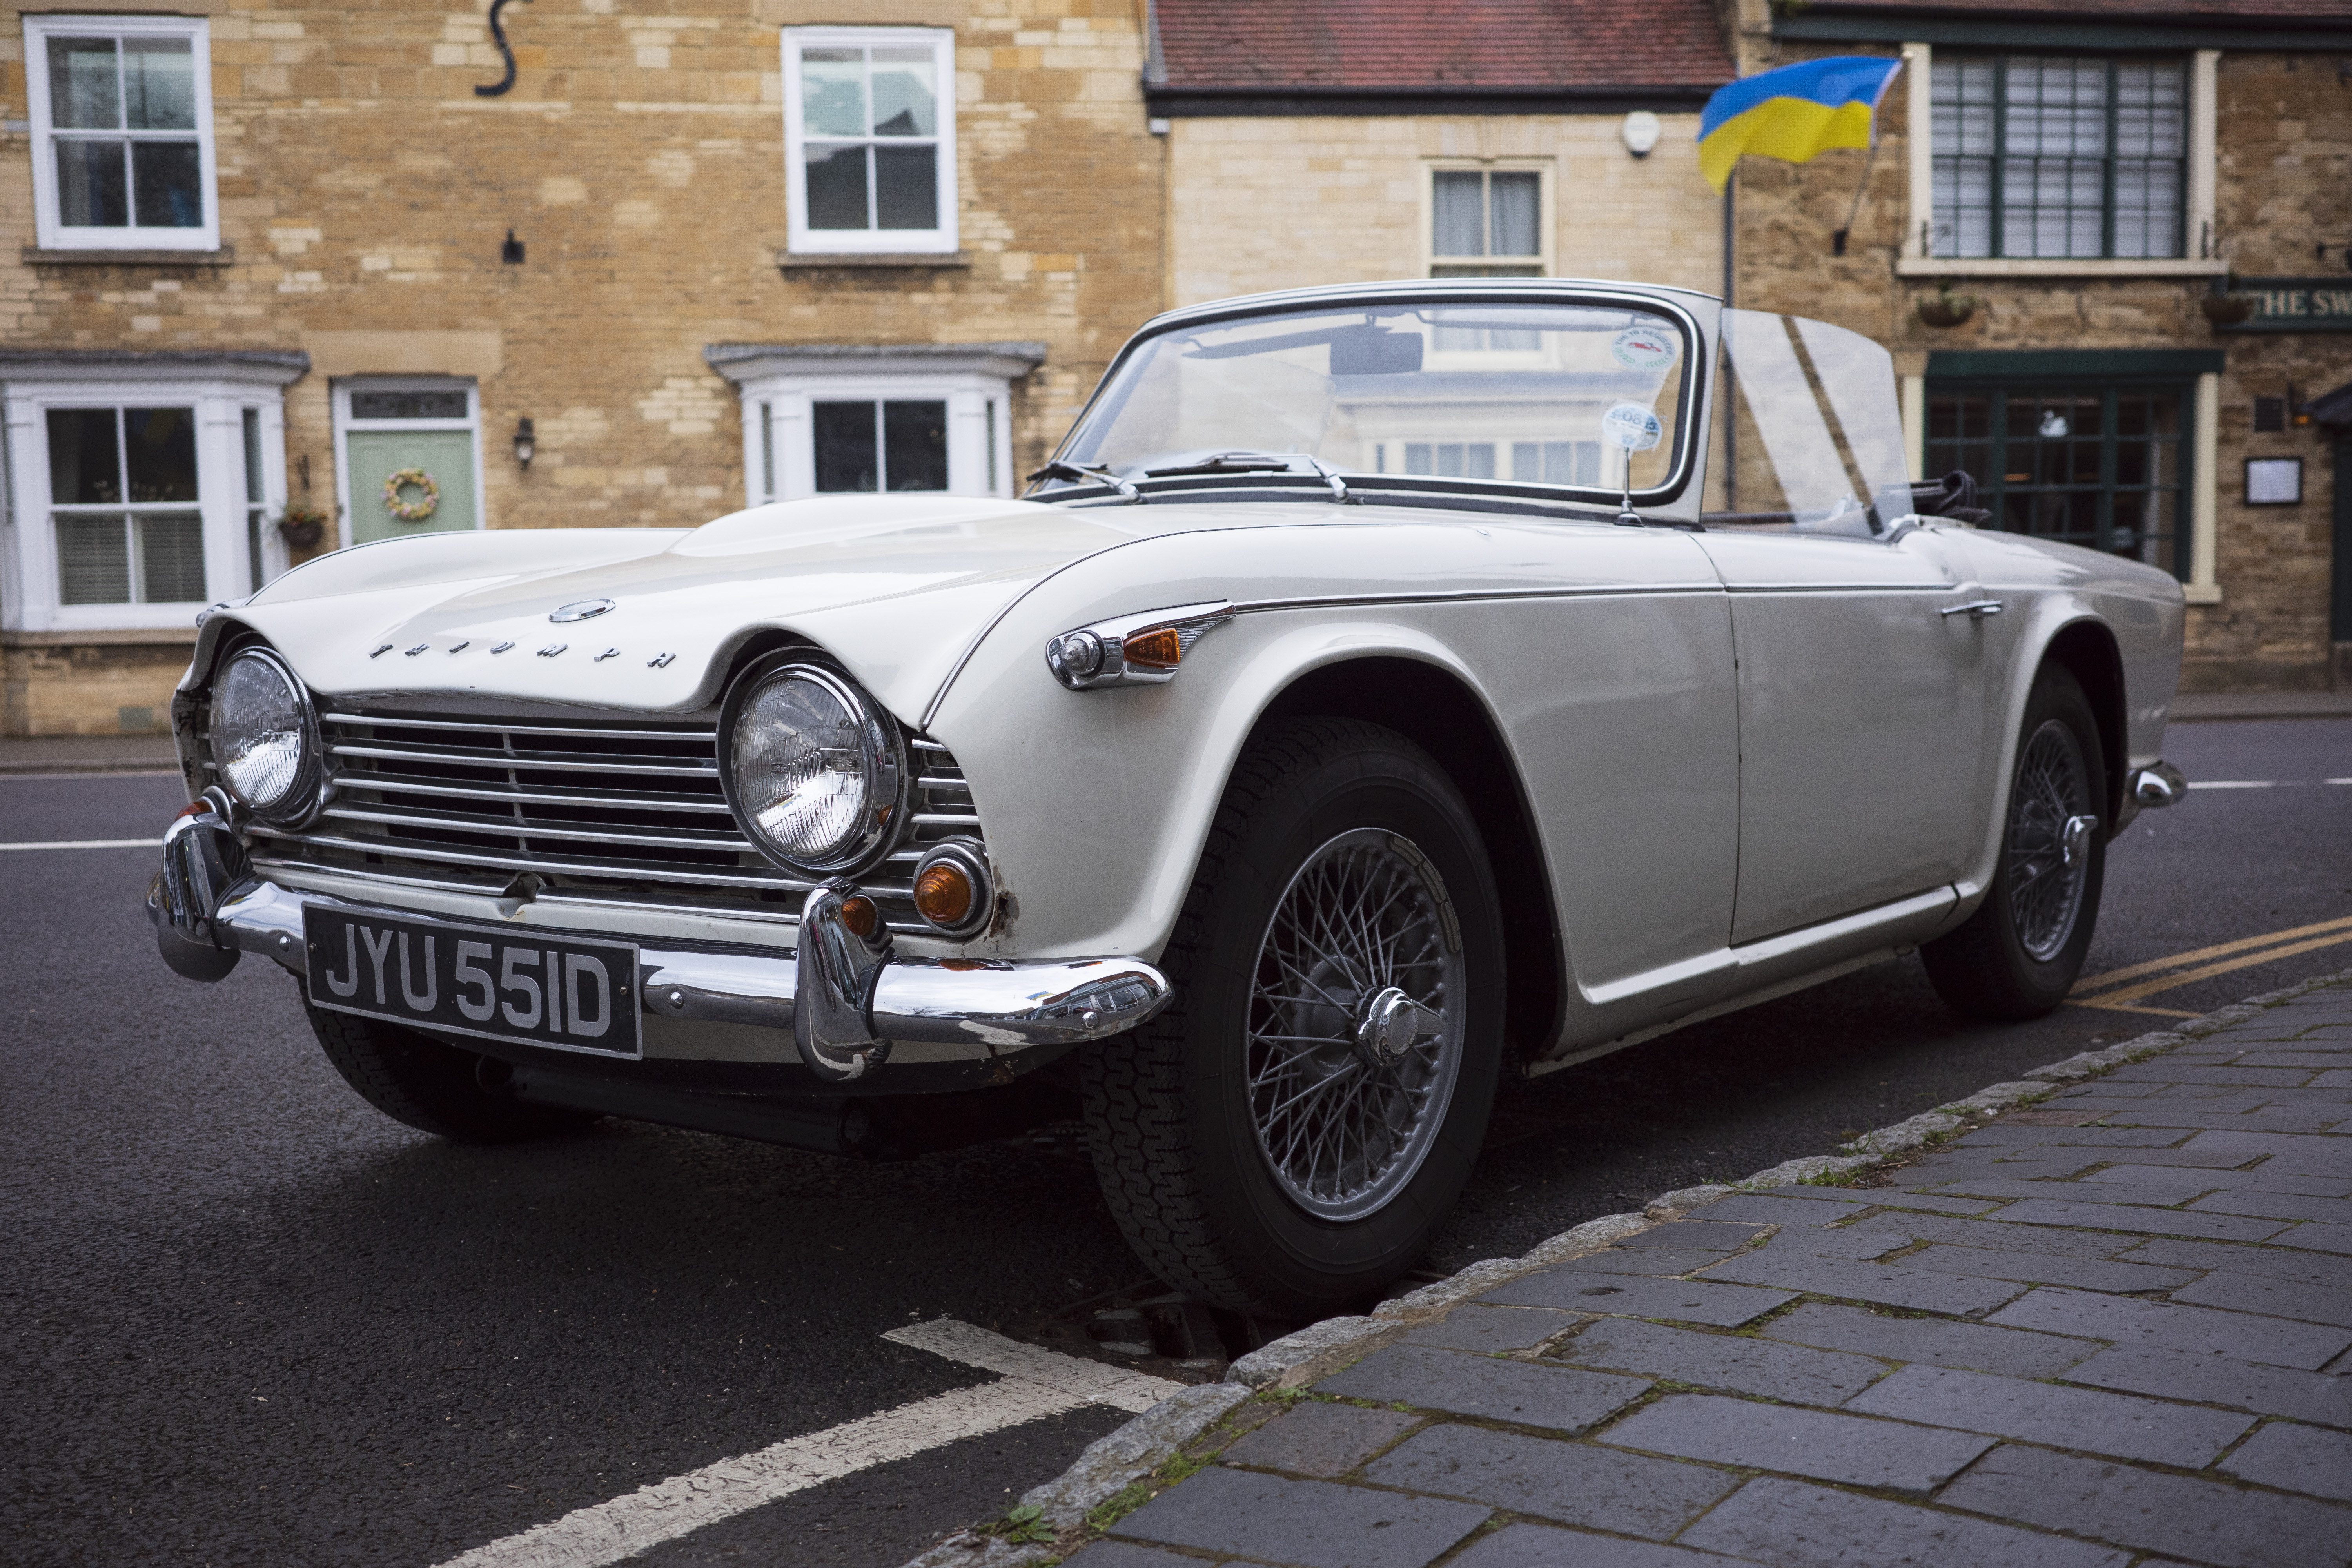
x=1383 y=689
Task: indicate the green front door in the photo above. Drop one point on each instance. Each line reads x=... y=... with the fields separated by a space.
x=375 y=455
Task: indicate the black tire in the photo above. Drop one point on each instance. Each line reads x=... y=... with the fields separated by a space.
x=1175 y=1133
x=450 y=1093
x=2008 y=961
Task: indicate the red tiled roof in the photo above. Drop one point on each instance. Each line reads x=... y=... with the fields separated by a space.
x=1421 y=45
x=2174 y=12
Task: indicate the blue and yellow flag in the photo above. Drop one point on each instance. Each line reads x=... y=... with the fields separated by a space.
x=1794 y=112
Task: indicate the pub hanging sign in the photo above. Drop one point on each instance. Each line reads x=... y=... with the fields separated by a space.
x=2293 y=304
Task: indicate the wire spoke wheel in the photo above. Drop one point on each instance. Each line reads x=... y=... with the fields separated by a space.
x=2049 y=825
x=1356 y=1024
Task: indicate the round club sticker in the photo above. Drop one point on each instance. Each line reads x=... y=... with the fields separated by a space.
x=1631 y=426
x=1643 y=348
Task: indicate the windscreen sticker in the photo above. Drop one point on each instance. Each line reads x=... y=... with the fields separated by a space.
x=1644 y=348
x=1631 y=426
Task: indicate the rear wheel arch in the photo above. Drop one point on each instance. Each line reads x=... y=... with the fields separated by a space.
x=2088 y=650
x=1442 y=714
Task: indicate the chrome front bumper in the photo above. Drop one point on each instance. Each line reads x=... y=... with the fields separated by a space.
x=846 y=1003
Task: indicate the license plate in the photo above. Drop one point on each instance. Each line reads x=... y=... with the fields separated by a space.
x=535 y=988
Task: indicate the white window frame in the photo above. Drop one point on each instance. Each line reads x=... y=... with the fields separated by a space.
x=1546 y=224
x=1919 y=177
x=779 y=421
x=804 y=241
x=50 y=232
x=29 y=559
x=343 y=425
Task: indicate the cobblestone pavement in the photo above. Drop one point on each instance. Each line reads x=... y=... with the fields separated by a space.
x=2113 y=1329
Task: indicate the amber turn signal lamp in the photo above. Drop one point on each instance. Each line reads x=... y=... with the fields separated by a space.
x=860 y=916
x=1159 y=649
x=943 y=894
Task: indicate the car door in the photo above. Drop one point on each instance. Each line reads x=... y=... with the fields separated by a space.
x=1861 y=716
x=1861 y=665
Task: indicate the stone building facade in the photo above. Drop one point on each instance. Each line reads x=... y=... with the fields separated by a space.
x=2136 y=218
x=267 y=256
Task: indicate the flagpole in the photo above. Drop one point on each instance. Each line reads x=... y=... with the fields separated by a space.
x=1837 y=239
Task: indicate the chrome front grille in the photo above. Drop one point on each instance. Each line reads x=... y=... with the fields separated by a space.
x=593 y=811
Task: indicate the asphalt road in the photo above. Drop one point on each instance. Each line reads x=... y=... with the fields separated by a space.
x=247 y=1321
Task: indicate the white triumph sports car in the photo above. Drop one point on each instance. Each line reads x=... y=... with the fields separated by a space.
x=1384 y=688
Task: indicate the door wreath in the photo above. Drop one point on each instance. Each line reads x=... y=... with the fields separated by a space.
x=418 y=509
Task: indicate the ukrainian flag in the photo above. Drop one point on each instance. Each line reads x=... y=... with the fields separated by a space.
x=1794 y=112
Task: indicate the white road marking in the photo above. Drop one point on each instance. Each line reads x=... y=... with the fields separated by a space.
x=1036 y=1382
x=2259 y=784
x=85 y=844
x=1088 y=1380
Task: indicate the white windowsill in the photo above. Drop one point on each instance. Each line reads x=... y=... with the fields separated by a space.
x=2045 y=267
x=2201 y=593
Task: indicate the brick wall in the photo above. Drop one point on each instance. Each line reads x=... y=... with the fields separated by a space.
x=1286 y=203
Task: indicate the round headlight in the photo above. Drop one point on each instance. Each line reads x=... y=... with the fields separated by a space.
x=814 y=770
x=261 y=735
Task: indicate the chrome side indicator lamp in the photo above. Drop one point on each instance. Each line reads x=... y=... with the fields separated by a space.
x=816 y=772
x=264 y=735
x=1132 y=651
x=954 y=890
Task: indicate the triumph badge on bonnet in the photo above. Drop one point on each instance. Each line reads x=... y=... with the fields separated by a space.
x=584 y=610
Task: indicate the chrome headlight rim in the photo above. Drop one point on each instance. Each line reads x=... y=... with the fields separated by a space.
x=883 y=748
x=303 y=799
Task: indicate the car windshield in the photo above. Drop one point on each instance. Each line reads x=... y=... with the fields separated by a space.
x=1579 y=396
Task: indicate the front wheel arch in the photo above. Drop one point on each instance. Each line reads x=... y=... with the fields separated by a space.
x=1437 y=711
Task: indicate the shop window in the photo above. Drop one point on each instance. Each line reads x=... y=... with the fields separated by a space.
x=870 y=132
x=2106 y=467
x=2051 y=156
x=121 y=124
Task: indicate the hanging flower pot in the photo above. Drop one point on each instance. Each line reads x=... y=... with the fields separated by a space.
x=301 y=526
x=1947 y=308
x=2226 y=309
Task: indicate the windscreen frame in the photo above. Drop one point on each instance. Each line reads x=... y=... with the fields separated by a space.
x=1693 y=403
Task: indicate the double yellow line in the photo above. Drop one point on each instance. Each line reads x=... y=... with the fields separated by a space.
x=2114 y=993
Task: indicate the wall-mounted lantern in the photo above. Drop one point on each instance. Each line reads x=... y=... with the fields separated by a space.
x=526 y=444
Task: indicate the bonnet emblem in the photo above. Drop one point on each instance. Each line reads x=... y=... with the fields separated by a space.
x=586 y=609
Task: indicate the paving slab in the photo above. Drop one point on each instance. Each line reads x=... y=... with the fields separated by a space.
x=2010 y=1134
x=2122 y=1320
x=2277 y=1298
x=1994 y=1232
x=2207 y=1520
x=1127 y=1554
x=1489 y=1330
x=2221 y=1380
x=2114 y=1216
x=1313 y=1438
x=1314 y=1524
x=2335 y=1238
x=1937 y=1342
x=1663 y=1262
x=1631 y=1296
x=1891 y=1285
x=1747 y=1366
x=2261 y=1179
x=1868 y=1197
x=1559 y=1398
x=1815 y=1443
x=2279 y=1263
x=2278 y=1206
x=1793 y=1525
x=2095 y=1423
x=2043 y=1268
x=1573 y=1483
x=2297 y=1458
x=1545 y=1546
x=1688 y=1233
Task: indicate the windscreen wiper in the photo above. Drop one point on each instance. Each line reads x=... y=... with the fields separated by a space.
x=1230 y=463
x=1060 y=469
